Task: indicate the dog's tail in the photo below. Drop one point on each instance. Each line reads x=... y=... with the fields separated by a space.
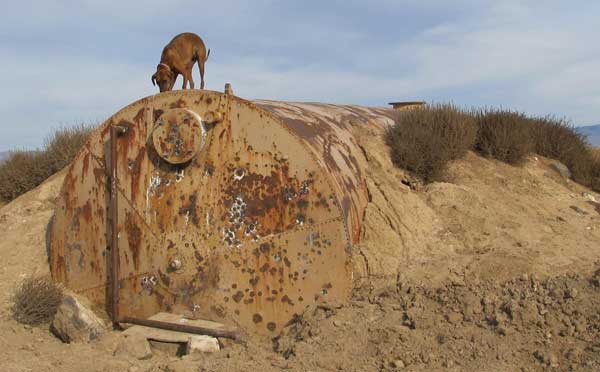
x=208 y=53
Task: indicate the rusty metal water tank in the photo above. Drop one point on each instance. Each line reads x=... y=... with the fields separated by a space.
x=232 y=210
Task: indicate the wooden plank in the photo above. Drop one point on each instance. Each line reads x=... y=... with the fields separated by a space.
x=171 y=336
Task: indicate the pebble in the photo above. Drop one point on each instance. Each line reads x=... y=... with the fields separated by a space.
x=571 y=292
x=578 y=210
x=588 y=196
x=397 y=364
x=454 y=317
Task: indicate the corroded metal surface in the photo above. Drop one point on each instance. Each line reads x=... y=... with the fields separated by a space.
x=253 y=228
x=178 y=134
x=327 y=130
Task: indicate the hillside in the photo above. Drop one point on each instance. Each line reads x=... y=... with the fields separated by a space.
x=592 y=132
x=497 y=268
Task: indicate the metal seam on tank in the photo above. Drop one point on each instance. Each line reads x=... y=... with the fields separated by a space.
x=303 y=144
x=122 y=194
x=344 y=215
x=300 y=109
x=327 y=178
x=314 y=158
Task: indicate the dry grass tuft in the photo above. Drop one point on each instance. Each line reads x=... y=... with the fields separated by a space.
x=35 y=300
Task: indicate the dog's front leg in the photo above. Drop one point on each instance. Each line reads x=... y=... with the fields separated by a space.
x=185 y=80
x=174 y=80
x=191 y=80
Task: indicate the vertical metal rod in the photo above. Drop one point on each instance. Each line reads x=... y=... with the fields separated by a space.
x=114 y=210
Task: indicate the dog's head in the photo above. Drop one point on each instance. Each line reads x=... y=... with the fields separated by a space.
x=164 y=77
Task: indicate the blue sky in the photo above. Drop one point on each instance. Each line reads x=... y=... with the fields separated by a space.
x=65 y=62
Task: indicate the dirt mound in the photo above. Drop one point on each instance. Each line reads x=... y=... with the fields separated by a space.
x=489 y=218
x=468 y=325
x=494 y=269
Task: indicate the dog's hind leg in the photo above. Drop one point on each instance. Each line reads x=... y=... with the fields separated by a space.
x=201 y=68
x=191 y=77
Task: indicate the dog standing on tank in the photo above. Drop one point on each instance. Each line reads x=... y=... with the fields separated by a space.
x=178 y=57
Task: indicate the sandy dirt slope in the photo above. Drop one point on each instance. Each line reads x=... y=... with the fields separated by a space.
x=494 y=269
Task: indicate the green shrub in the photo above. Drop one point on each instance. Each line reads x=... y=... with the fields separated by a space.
x=424 y=140
x=504 y=135
x=24 y=170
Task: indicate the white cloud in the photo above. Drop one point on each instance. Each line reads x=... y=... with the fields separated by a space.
x=71 y=61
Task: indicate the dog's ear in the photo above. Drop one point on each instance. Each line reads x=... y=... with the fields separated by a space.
x=154 y=79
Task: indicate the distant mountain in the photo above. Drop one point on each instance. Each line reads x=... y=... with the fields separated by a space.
x=592 y=132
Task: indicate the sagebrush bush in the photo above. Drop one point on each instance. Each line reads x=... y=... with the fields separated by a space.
x=35 y=300
x=595 y=169
x=558 y=139
x=24 y=170
x=424 y=140
x=504 y=135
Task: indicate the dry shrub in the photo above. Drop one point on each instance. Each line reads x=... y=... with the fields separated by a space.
x=24 y=170
x=504 y=135
x=595 y=169
x=424 y=140
x=558 y=139
x=65 y=143
x=35 y=300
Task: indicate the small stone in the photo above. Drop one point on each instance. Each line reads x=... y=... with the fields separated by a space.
x=540 y=356
x=588 y=196
x=426 y=358
x=561 y=169
x=74 y=322
x=571 y=293
x=28 y=347
x=454 y=318
x=574 y=353
x=134 y=346
x=553 y=361
x=503 y=330
x=225 y=342
x=578 y=210
x=449 y=363
x=203 y=344
x=397 y=364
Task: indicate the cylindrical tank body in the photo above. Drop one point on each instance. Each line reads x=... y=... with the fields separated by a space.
x=236 y=211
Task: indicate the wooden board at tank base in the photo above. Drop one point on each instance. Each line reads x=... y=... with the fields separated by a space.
x=164 y=335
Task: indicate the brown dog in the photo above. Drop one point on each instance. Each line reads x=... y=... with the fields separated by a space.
x=178 y=57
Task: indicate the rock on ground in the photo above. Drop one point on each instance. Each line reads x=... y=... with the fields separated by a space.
x=202 y=344
x=135 y=346
x=561 y=169
x=74 y=322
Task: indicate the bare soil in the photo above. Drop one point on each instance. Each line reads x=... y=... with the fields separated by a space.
x=497 y=268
